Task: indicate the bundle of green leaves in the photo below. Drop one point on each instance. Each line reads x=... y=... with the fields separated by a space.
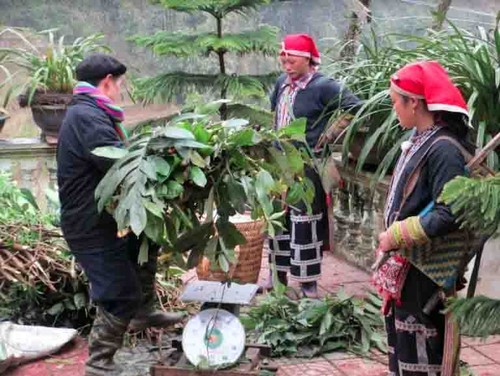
x=310 y=327
x=179 y=184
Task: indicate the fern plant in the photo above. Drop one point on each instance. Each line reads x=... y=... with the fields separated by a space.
x=216 y=45
x=477 y=316
x=475 y=202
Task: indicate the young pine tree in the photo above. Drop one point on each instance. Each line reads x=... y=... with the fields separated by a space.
x=217 y=45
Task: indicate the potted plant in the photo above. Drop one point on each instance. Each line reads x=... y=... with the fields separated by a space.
x=374 y=137
x=51 y=76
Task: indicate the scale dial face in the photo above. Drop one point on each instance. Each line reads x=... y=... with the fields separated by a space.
x=215 y=335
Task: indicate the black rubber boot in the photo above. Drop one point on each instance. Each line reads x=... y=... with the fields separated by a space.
x=148 y=316
x=106 y=337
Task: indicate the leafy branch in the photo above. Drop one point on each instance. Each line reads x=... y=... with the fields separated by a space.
x=180 y=183
x=477 y=316
x=216 y=8
x=311 y=327
x=180 y=44
x=475 y=202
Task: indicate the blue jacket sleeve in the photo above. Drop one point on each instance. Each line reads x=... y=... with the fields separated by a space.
x=334 y=96
x=444 y=163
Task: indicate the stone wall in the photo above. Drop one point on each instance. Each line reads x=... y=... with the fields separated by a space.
x=32 y=165
x=358 y=219
x=358 y=216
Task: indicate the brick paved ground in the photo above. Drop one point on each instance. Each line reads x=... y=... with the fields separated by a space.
x=483 y=357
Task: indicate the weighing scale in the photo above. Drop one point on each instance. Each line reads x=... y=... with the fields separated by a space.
x=215 y=338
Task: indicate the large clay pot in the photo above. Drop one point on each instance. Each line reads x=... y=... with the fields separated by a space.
x=374 y=157
x=49 y=119
x=48 y=110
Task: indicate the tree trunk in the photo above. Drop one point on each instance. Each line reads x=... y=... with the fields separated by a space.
x=439 y=14
x=222 y=68
x=359 y=15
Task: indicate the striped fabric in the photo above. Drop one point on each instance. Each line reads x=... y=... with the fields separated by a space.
x=105 y=103
x=414 y=340
x=289 y=90
x=407 y=233
x=422 y=344
x=415 y=143
x=298 y=249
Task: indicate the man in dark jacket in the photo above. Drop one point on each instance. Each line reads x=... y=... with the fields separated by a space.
x=123 y=291
x=303 y=92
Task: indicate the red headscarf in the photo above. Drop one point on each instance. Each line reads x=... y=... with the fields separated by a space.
x=429 y=80
x=300 y=45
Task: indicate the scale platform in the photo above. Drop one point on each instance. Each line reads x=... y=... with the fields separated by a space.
x=218 y=292
x=215 y=335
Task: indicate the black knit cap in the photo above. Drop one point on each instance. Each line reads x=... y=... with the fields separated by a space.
x=97 y=66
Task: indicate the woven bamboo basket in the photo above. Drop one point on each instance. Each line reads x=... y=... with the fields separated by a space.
x=248 y=256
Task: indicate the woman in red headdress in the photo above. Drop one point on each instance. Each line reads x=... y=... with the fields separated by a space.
x=422 y=340
x=303 y=92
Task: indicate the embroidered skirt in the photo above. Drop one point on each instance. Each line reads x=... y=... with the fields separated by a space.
x=415 y=344
x=299 y=249
x=421 y=344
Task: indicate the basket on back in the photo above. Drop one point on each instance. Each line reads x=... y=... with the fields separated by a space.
x=444 y=258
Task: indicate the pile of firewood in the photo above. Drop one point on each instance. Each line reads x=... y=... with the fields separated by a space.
x=46 y=262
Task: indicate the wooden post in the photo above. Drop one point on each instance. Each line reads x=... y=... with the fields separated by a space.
x=360 y=14
x=440 y=14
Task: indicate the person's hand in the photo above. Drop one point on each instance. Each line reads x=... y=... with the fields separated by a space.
x=326 y=137
x=385 y=245
x=384 y=242
x=123 y=233
x=323 y=139
x=334 y=131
